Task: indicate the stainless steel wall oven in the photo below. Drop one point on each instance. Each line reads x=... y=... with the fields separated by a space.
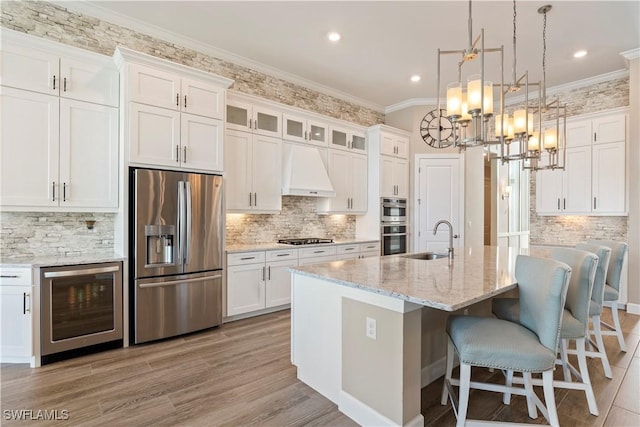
x=393 y=226
x=81 y=306
x=393 y=210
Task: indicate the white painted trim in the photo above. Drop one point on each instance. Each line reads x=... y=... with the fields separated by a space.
x=432 y=372
x=631 y=54
x=367 y=416
x=411 y=102
x=168 y=36
x=633 y=308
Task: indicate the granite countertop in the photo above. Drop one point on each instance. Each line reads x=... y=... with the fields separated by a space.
x=234 y=248
x=52 y=260
x=475 y=275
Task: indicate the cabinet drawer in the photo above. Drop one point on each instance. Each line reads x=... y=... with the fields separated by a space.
x=370 y=247
x=316 y=252
x=15 y=276
x=347 y=249
x=245 y=258
x=282 y=255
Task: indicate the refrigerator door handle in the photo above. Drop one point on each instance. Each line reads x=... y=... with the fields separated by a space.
x=181 y=224
x=187 y=213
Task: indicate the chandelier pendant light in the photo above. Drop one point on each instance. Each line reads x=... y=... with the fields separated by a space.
x=470 y=110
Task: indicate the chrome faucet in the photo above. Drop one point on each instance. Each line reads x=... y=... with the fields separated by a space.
x=435 y=230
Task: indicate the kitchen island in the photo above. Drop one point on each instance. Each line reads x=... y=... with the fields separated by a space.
x=356 y=326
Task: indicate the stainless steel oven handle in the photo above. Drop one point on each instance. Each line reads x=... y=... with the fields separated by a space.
x=83 y=272
x=394 y=234
x=177 y=282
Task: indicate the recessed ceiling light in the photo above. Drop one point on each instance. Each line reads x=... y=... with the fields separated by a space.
x=580 y=54
x=333 y=36
x=415 y=78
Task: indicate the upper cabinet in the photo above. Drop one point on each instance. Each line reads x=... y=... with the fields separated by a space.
x=298 y=128
x=350 y=139
x=172 y=114
x=394 y=144
x=253 y=117
x=594 y=179
x=58 y=123
x=388 y=160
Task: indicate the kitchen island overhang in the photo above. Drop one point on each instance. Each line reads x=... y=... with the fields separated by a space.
x=356 y=325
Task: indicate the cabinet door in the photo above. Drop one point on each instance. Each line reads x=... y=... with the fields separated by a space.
x=339 y=173
x=387 y=144
x=15 y=323
x=358 y=142
x=401 y=173
x=267 y=122
x=202 y=98
x=154 y=135
x=339 y=138
x=387 y=177
x=549 y=190
x=245 y=288
x=266 y=164
x=294 y=128
x=201 y=139
x=579 y=133
x=239 y=116
x=359 y=188
x=608 y=177
x=402 y=145
x=89 y=81
x=154 y=87
x=278 y=289
x=29 y=69
x=577 y=180
x=88 y=155
x=609 y=129
x=29 y=148
x=237 y=157
x=318 y=133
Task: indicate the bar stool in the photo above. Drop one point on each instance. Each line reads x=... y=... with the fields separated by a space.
x=612 y=287
x=529 y=347
x=595 y=307
x=574 y=325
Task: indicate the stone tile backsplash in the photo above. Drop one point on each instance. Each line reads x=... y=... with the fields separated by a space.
x=26 y=234
x=298 y=218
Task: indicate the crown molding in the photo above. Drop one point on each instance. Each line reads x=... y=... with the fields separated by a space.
x=171 y=37
x=411 y=102
x=631 y=54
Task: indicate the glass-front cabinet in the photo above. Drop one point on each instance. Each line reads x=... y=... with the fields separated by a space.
x=254 y=118
x=348 y=139
x=300 y=129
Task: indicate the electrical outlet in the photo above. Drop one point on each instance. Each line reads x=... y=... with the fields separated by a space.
x=371 y=328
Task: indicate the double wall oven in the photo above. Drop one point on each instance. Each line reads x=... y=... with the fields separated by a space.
x=393 y=226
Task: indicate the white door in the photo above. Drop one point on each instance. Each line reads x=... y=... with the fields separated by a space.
x=15 y=322
x=608 y=176
x=549 y=197
x=88 y=155
x=237 y=166
x=245 y=288
x=359 y=181
x=154 y=135
x=577 y=181
x=154 y=87
x=201 y=140
x=29 y=136
x=278 y=290
x=266 y=167
x=440 y=197
x=201 y=98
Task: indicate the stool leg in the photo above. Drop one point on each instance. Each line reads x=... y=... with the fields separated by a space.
x=616 y=323
x=550 y=398
x=584 y=373
x=565 y=359
x=506 y=397
x=465 y=382
x=528 y=386
x=601 y=350
x=448 y=372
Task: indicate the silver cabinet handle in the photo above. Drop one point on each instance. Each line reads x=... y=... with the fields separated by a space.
x=250 y=199
x=53 y=191
x=185 y=101
x=318 y=252
x=269 y=273
x=564 y=203
x=26 y=310
x=184 y=157
x=9 y=276
x=263 y=269
x=255 y=199
x=64 y=191
x=83 y=272
x=349 y=249
x=177 y=153
x=54 y=82
x=558 y=203
x=64 y=84
x=594 y=203
x=177 y=99
x=247 y=257
x=276 y=255
x=305 y=135
x=250 y=124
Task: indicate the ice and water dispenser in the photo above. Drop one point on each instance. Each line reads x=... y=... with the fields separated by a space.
x=160 y=244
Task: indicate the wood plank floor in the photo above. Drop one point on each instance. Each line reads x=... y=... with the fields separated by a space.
x=240 y=374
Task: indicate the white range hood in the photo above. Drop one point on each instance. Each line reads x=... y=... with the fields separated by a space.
x=305 y=173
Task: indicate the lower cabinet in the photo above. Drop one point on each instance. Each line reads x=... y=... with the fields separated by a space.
x=16 y=329
x=259 y=280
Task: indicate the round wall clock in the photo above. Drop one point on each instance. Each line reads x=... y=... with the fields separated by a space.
x=429 y=129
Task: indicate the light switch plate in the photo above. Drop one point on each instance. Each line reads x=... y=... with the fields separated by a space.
x=371 y=328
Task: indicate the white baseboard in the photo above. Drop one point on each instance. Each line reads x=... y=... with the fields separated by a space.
x=433 y=371
x=633 y=308
x=366 y=416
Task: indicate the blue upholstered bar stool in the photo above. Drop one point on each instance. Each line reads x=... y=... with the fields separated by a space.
x=612 y=287
x=595 y=307
x=575 y=321
x=528 y=346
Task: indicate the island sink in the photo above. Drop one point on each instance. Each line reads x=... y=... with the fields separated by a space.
x=425 y=256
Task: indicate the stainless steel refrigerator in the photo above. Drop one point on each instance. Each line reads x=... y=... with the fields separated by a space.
x=177 y=228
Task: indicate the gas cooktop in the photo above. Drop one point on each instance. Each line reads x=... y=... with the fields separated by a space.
x=305 y=241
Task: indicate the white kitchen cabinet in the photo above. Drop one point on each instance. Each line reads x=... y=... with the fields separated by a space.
x=254 y=176
x=253 y=117
x=316 y=255
x=350 y=139
x=298 y=128
x=394 y=177
x=369 y=250
x=346 y=252
x=392 y=144
x=16 y=315
x=348 y=174
x=69 y=147
x=594 y=179
x=259 y=280
x=54 y=69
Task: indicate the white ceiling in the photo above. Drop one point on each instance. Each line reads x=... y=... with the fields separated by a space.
x=385 y=42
